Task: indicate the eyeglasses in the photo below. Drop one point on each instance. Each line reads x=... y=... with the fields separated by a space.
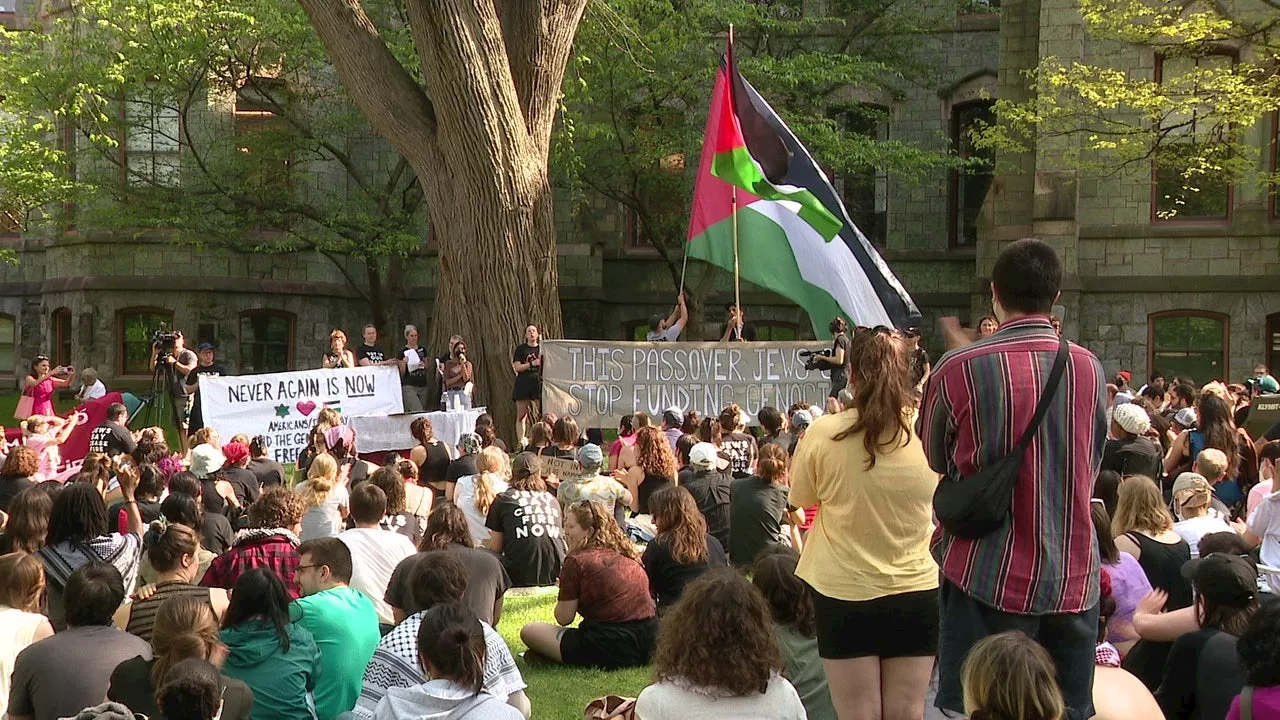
x=304 y=567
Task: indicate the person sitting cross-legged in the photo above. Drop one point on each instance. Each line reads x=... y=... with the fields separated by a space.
x=438 y=578
x=341 y=620
x=375 y=552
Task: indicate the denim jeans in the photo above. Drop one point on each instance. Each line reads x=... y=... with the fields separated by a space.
x=1070 y=639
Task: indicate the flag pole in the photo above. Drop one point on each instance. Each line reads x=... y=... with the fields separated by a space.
x=733 y=195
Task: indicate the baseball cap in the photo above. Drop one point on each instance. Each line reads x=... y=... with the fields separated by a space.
x=1132 y=418
x=1186 y=417
x=205 y=346
x=655 y=320
x=470 y=443
x=706 y=456
x=1223 y=579
x=524 y=465
x=1191 y=481
x=673 y=416
x=801 y=418
x=1126 y=375
x=590 y=456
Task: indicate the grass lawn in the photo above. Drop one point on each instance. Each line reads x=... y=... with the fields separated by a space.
x=559 y=692
x=9 y=402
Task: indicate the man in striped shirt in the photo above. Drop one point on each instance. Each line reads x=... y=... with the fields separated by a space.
x=1039 y=572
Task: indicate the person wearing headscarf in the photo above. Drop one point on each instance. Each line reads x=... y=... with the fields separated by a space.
x=1132 y=452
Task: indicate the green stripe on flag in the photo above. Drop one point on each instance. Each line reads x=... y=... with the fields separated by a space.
x=737 y=167
x=765 y=258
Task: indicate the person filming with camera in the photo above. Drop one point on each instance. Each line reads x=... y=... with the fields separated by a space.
x=206 y=366
x=836 y=359
x=171 y=356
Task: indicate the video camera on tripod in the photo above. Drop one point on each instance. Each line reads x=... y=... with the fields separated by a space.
x=811 y=357
x=164 y=341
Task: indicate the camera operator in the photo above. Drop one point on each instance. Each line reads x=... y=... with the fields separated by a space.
x=206 y=366
x=170 y=352
x=836 y=359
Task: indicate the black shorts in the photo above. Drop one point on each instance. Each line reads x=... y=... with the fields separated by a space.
x=904 y=625
x=610 y=645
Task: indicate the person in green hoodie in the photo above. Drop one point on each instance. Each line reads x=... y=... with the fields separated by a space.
x=342 y=621
x=278 y=659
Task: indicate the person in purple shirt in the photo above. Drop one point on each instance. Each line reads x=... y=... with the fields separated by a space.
x=672 y=421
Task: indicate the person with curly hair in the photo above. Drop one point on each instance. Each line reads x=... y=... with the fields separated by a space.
x=655 y=468
x=270 y=541
x=717 y=657
x=866 y=558
x=1009 y=676
x=21 y=465
x=603 y=581
x=682 y=550
x=795 y=627
x=1259 y=652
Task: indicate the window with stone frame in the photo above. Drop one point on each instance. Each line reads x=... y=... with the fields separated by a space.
x=8 y=344
x=266 y=341
x=969 y=185
x=134 y=329
x=865 y=194
x=1191 y=343
x=264 y=139
x=1177 y=196
x=152 y=148
x=60 y=351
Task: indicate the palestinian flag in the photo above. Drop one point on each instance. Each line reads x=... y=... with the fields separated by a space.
x=794 y=235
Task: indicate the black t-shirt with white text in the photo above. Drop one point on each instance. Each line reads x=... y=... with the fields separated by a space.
x=741 y=449
x=418 y=376
x=528 y=383
x=372 y=353
x=532 y=547
x=111 y=438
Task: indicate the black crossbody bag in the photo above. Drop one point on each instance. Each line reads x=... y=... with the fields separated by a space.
x=977 y=505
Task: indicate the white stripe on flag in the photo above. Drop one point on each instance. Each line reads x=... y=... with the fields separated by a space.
x=827 y=265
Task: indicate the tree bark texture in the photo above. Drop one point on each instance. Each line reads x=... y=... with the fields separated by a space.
x=477 y=132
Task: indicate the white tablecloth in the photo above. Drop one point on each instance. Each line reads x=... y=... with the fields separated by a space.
x=382 y=433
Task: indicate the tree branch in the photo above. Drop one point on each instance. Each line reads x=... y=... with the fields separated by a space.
x=396 y=106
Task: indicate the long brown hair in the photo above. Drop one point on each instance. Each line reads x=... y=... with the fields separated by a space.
x=28 y=525
x=446 y=525
x=790 y=600
x=680 y=525
x=733 y=650
x=185 y=627
x=21 y=581
x=880 y=382
x=1218 y=429
x=653 y=453
x=602 y=529
x=1010 y=676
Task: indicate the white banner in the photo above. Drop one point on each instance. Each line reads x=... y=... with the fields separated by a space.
x=284 y=406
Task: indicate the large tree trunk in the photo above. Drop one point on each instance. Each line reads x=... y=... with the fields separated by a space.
x=478 y=138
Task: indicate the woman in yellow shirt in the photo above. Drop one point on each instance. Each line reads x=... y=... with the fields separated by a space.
x=867 y=556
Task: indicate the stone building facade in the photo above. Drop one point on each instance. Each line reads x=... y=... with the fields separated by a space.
x=1183 y=296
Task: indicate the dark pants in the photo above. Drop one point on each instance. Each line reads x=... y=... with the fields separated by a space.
x=1070 y=639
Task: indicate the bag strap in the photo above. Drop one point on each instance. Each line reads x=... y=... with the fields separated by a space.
x=1046 y=397
x=1246 y=702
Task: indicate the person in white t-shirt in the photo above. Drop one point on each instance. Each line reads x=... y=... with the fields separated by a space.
x=475 y=493
x=668 y=329
x=375 y=552
x=1192 y=495
x=1269 y=457
x=91 y=388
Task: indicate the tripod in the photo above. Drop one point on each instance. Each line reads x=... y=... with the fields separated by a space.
x=157 y=404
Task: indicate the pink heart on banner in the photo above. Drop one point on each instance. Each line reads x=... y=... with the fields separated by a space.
x=306 y=407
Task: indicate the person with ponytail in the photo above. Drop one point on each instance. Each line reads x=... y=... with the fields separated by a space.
x=602 y=581
x=758 y=509
x=682 y=550
x=175 y=556
x=1008 y=676
x=475 y=493
x=452 y=653
x=325 y=495
x=185 y=629
x=276 y=657
x=866 y=558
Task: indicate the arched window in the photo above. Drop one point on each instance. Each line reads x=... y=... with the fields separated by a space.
x=266 y=341
x=1190 y=343
x=135 y=326
x=61 y=350
x=8 y=344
